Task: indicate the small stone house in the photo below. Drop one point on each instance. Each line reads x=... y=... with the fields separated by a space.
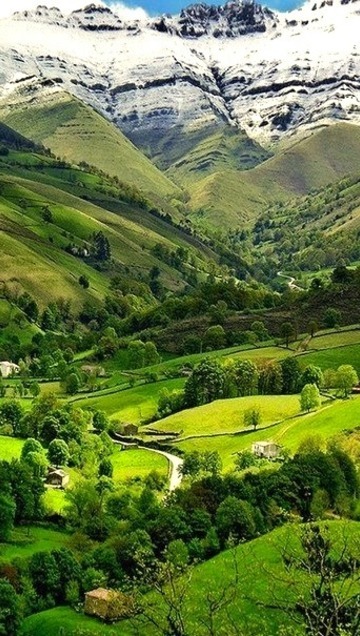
x=57 y=478
x=130 y=429
x=266 y=450
x=8 y=368
x=109 y=605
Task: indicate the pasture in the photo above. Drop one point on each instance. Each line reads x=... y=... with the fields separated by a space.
x=26 y=540
x=333 y=418
x=260 y=564
x=130 y=405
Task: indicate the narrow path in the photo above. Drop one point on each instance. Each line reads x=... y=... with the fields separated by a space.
x=291 y=282
x=175 y=462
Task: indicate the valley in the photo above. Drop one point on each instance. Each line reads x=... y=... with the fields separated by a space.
x=179 y=322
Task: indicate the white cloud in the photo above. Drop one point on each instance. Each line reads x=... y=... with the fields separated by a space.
x=8 y=7
x=128 y=13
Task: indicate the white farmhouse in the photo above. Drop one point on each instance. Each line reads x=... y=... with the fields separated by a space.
x=8 y=368
x=268 y=450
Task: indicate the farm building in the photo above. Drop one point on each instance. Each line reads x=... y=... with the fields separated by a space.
x=8 y=368
x=57 y=478
x=108 y=605
x=268 y=450
x=130 y=429
x=91 y=369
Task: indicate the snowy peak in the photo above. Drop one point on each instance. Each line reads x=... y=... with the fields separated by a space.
x=91 y=18
x=272 y=75
x=230 y=20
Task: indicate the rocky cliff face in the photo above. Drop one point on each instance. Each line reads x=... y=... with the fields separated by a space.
x=273 y=75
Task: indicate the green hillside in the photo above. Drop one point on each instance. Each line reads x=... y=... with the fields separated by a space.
x=77 y=133
x=294 y=428
x=34 y=253
x=251 y=609
x=224 y=149
x=234 y=197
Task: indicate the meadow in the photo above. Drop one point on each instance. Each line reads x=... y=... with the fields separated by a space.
x=259 y=562
x=130 y=405
x=227 y=416
x=133 y=462
x=10 y=447
x=26 y=540
x=325 y=423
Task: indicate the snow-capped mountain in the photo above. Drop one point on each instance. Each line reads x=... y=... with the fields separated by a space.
x=274 y=75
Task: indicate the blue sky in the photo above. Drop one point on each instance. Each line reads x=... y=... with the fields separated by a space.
x=156 y=7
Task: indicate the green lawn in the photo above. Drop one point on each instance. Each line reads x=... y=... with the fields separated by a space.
x=338 y=339
x=262 y=577
x=224 y=416
x=326 y=423
x=136 y=463
x=27 y=540
x=130 y=405
x=243 y=352
x=333 y=358
x=10 y=447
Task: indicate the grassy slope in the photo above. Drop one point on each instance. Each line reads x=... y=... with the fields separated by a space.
x=130 y=405
x=42 y=267
x=327 y=422
x=234 y=196
x=136 y=463
x=227 y=148
x=223 y=416
x=10 y=447
x=259 y=561
x=76 y=132
x=27 y=540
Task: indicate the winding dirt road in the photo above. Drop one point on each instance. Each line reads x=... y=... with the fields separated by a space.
x=291 y=282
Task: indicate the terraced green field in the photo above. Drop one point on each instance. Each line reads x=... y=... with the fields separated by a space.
x=340 y=339
x=333 y=358
x=260 y=563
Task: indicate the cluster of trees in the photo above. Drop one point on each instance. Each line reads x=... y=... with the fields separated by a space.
x=210 y=380
x=138 y=531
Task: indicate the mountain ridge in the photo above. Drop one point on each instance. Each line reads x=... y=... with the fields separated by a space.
x=275 y=83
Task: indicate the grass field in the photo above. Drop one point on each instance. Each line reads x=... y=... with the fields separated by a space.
x=136 y=463
x=339 y=339
x=333 y=358
x=54 y=500
x=227 y=416
x=326 y=423
x=27 y=540
x=130 y=405
x=260 y=565
x=10 y=447
x=258 y=354
x=75 y=131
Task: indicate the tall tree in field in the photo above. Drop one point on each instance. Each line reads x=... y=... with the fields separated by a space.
x=252 y=417
x=102 y=247
x=310 y=397
x=287 y=332
x=346 y=379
